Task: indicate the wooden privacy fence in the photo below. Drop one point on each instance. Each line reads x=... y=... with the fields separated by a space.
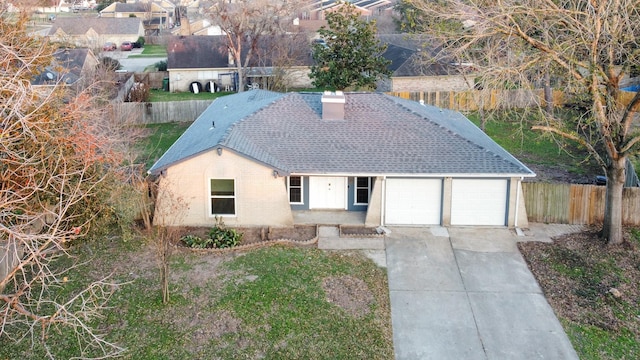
x=473 y=100
x=576 y=204
x=161 y=112
x=153 y=79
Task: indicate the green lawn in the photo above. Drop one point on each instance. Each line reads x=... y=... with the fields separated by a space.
x=151 y=51
x=161 y=95
x=268 y=303
x=159 y=139
x=516 y=136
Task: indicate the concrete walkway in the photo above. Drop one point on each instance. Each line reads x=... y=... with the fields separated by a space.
x=466 y=293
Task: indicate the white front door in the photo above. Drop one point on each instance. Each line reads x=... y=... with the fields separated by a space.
x=327 y=192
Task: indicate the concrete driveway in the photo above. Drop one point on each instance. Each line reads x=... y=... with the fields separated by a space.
x=466 y=293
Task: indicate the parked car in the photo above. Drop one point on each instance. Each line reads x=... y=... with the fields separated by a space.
x=126 y=46
x=109 y=46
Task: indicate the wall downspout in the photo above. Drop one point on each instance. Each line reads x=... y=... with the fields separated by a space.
x=515 y=220
x=384 y=199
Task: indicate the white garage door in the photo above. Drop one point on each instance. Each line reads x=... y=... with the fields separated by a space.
x=413 y=202
x=478 y=202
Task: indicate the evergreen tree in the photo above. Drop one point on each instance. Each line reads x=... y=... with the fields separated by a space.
x=350 y=55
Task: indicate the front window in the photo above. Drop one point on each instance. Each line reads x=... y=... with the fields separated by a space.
x=295 y=189
x=362 y=190
x=223 y=197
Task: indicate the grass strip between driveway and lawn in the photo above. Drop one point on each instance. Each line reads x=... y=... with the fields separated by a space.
x=273 y=303
x=150 y=51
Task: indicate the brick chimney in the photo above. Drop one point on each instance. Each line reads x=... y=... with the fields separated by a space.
x=333 y=105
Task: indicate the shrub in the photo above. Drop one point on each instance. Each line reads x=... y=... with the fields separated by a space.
x=197 y=242
x=141 y=41
x=109 y=64
x=224 y=238
x=139 y=93
x=219 y=238
x=161 y=65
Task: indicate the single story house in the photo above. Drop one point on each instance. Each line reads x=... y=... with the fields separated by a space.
x=315 y=9
x=206 y=60
x=92 y=32
x=200 y=27
x=413 y=67
x=69 y=67
x=256 y=158
x=156 y=15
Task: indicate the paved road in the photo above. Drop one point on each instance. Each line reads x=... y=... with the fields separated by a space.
x=132 y=64
x=466 y=293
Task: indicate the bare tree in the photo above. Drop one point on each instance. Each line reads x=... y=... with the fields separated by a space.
x=287 y=56
x=165 y=234
x=58 y=159
x=588 y=47
x=245 y=22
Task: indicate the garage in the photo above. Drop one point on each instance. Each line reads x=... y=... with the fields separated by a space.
x=413 y=201
x=479 y=201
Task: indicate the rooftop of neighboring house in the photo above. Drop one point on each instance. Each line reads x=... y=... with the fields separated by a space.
x=202 y=52
x=80 y=25
x=67 y=67
x=412 y=55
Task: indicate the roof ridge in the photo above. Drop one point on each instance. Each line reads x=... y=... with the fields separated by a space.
x=457 y=134
x=277 y=96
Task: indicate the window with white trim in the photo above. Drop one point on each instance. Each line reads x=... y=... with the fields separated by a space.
x=362 y=190
x=223 y=197
x=294 y=184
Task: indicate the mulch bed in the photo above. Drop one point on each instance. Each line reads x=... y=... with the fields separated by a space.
x=255 y=235
x=587 y=281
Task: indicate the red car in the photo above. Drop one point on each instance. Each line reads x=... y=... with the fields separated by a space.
x=109 y=46
x=126 y=46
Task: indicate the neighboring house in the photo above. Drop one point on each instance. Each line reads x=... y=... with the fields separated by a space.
x=156 y=15
x=93 y=32
x=199 y=59
x=70 y=67
x=202 y=27
x=315 y=9
x=206 y=60
x=257 y=158
x=312 y=13
x=413 y=68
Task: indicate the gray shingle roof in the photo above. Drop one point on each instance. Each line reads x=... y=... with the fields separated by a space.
x=380 y=135
x=210 y=51
x=210 y=127
x=413 y=55
x=67 y=67
x=131 y=7
x=197 y=52
x=104 y=26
